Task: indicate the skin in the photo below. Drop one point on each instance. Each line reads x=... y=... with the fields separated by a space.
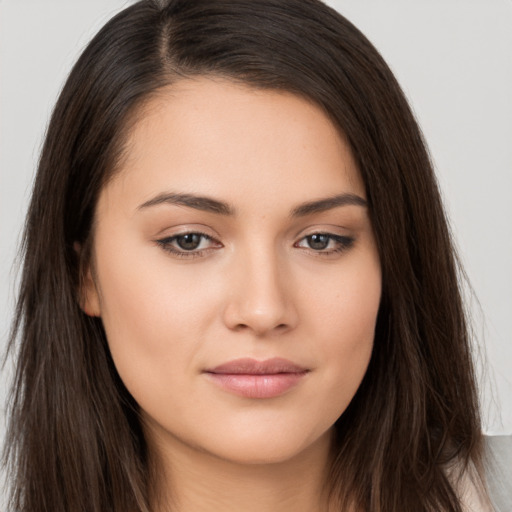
x=254 y=288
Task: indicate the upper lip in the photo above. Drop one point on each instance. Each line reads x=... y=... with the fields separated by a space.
x=248 y=366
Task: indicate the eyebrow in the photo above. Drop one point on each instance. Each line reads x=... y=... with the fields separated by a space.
x=322 y=205
x=206 y=204
x=211 y=205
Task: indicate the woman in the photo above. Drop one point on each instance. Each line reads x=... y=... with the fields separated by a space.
x=242 y=294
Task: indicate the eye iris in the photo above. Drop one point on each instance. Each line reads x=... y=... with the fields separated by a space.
x=189 y=242
x=318 y=242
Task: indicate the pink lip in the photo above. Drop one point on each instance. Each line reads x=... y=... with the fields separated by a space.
x=257 y=379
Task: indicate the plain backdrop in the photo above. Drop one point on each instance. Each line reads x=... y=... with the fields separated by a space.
x=454 y=61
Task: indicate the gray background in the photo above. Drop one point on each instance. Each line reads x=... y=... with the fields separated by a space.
x=454 y=61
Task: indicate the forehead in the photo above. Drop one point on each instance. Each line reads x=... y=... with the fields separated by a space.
x=216 y=137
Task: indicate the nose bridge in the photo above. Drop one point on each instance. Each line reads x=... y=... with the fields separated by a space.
x=260 y=299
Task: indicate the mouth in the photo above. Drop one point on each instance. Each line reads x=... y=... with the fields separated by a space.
x=250 y=378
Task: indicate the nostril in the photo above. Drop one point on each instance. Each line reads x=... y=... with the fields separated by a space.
x=243 y=327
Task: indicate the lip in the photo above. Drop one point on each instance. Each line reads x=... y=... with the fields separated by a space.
x=257 y=379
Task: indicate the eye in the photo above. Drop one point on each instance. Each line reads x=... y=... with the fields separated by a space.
x=189 y=241
x=190 y=244
x=325 y=243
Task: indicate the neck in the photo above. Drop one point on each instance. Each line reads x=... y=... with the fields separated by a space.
x=194 y=481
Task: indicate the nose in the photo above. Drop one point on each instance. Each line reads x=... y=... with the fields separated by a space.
x=260 y=296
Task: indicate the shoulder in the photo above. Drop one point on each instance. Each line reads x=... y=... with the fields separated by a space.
x=492 y=491
x=469 y=484
x=472 y=491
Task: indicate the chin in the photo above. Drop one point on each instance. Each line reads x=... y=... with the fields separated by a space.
x=267 y=449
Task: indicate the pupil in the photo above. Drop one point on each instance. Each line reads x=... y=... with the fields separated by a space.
x=189 y=242
x=318 y=241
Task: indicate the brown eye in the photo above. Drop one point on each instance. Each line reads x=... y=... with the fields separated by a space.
x=318 y=242
x=189 y=245
x=189 y=242
x=325 y=243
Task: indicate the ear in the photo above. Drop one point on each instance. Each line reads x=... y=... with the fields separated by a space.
x=88 y=295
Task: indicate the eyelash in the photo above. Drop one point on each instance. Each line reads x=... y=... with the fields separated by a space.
x=166 y=244
x=343 y=243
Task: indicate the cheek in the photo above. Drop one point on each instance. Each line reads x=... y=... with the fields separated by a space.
x=154 y=316
x=344 y=328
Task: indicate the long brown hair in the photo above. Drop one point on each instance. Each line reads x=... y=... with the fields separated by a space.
x=75 y=441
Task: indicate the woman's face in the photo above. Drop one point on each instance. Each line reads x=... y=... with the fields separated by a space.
x=236 y=272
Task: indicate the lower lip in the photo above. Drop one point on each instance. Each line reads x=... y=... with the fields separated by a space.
x=257 y=386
